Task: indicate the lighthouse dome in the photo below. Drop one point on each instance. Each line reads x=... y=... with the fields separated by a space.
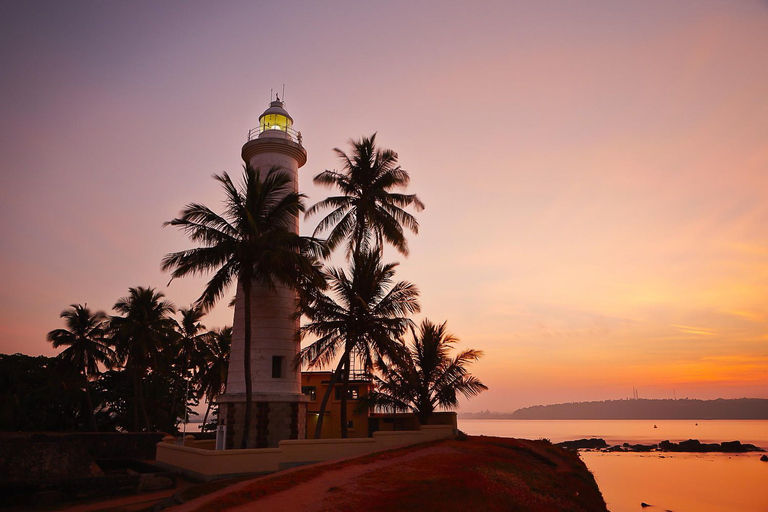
x=275 y=118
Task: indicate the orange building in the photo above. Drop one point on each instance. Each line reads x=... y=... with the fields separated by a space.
x=314 y=386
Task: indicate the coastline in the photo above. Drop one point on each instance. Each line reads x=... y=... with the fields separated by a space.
x=705 y=482
x=618 y=432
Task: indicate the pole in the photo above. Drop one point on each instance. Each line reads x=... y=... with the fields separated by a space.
x=186 y=399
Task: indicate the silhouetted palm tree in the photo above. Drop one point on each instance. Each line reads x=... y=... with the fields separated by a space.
x=427 y=377
x=367 y=211
x=86 y=344
x=368 y=315
x=141 y=335
x=251 y=243
x=213 y=373
x=189 y=351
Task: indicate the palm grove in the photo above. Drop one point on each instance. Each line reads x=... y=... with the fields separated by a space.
x=141 y=368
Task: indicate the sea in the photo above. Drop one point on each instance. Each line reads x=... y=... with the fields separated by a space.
x=677 y=482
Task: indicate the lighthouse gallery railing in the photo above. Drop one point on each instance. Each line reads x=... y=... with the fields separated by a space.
x=290 y=133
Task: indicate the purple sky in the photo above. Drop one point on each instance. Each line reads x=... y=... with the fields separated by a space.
x=595 y=173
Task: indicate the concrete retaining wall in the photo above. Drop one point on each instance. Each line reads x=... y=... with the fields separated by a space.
x=206 y=464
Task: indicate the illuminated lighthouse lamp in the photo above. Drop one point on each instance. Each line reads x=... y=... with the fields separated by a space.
x=276 y=118
x=275 y=122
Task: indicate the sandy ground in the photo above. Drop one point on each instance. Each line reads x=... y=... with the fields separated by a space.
x=312 y=495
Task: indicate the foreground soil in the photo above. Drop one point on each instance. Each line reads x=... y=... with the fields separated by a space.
x=480 y=473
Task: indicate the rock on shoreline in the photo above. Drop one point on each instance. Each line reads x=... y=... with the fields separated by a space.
x=580 y=444
x=689 y=446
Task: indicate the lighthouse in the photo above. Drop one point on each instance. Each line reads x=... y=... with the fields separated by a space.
x=278 y=408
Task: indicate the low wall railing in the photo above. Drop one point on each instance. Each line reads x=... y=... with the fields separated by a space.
x=207 y=464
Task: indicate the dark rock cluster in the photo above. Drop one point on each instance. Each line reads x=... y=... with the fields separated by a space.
x=689 y=446
x=580 y=444
x=693 y=445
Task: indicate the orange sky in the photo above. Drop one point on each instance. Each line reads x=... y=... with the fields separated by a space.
x=595 y=173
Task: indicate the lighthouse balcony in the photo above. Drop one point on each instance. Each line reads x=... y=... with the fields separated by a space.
x=275 y=131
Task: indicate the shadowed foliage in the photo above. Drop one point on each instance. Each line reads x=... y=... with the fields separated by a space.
x=252 y=242
x=40 y=394
x=213 y=374
x=367 y=212
x=426 y=377
x=188 y=353
x=114 y=392
x=365 y=313
x=87 y=346
x=141 y=335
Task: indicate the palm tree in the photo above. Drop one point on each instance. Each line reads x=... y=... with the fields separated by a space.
x=251 y=243
x=213 y=373
x=367 y=211
x=141 y=335
x=367 y=316
x=426 y=377
x=86 y=344
x=189 y=352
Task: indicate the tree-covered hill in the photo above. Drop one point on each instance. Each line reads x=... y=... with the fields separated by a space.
x=641 y=409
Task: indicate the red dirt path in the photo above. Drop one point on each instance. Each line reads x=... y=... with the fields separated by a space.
x=482 y=473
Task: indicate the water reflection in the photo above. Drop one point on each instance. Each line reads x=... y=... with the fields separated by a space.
x=713 y=482
x=680 y=482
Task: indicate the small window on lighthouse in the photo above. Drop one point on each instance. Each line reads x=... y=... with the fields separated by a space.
x=277 y=367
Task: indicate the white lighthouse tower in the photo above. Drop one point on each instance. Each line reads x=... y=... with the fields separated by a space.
x=279 y=408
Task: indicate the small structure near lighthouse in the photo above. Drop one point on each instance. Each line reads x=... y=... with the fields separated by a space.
x=278 y=411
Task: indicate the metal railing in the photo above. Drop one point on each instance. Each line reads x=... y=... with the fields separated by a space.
x=360 y=375
x=290 y=133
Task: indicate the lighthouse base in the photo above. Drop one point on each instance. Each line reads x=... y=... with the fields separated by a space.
x=274 y=418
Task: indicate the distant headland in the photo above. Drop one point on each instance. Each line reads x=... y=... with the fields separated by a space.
x=639 y=409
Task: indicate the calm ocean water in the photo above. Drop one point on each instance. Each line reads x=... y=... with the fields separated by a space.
x=710 y=482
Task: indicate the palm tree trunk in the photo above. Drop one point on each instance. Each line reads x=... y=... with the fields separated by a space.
x=425 y=411
x=135 y=407
x=425 y=403
x=173 y=403
x=247 y=362
x=359 y=234
x=326 y=396
x=90 y=404
x=143 y=406
x=205 y=418
x=344 y=392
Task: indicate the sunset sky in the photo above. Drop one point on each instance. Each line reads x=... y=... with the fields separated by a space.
x=595 y=173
